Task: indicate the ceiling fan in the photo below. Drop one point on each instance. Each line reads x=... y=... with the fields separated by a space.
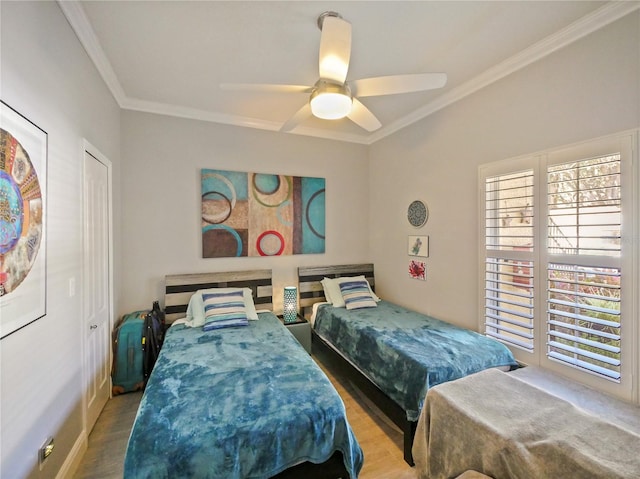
x=332 y=97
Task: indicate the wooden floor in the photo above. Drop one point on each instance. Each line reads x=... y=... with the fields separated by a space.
x=380 y=440
x=104 y=458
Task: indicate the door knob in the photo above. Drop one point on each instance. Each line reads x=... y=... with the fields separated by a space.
x=93 y=326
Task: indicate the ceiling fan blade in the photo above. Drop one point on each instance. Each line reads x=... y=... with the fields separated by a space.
x=266 y=87
x=363 y=117
x=301 y=115
x=393 y=84
x=335 y=49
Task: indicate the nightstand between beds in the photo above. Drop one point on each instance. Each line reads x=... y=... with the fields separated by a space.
x=301 y=330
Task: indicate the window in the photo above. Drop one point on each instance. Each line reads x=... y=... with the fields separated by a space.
x=583 y=275
x=554 y=266
x=509 y=260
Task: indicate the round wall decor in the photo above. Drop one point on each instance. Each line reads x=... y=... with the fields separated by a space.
x=417 y=213
x=21 y=213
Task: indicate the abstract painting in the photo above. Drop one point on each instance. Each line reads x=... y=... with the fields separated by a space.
x=418 y=270
x=23 y=180
x=257 y=214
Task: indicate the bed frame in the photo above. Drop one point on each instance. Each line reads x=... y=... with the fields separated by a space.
x=311 y=292
x=180 y=287
x=178 y=291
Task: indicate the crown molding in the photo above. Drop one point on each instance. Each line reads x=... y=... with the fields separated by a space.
x=596 y=20
x=77 y=18
x=213 y=117
x=80 y=24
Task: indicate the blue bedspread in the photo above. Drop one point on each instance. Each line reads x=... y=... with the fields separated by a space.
x=405 y=353
x=236 y=403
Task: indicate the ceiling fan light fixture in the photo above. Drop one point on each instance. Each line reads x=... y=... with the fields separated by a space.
x=331 y=97
x=330 y=101
x=333 y=67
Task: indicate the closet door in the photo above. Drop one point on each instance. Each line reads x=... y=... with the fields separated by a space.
x=96 y=287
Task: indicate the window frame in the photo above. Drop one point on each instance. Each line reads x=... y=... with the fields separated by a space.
x=626 y=144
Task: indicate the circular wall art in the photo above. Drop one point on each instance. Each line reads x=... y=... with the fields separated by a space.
x=417 y=213
x=21 y=213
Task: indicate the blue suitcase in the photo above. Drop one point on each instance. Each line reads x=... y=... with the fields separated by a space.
x=127 y=372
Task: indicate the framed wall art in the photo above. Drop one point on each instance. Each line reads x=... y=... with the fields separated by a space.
x=256 y=214
x=418 y=270
x=23 y=187
x=418 y=246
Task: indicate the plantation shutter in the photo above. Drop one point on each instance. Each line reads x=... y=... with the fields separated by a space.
x=509 y=261
x=584 y=264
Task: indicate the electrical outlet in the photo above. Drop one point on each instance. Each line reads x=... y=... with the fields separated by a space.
x=45 y=451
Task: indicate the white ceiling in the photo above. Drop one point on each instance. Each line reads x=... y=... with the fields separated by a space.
x=170 y=57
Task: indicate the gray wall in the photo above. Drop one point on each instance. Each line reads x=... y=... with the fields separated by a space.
x=161 y=194
x=47 y=77
x=588 y=89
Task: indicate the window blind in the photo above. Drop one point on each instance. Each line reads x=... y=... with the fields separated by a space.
x=509 y=264
x=584 y=207
x=583 y=289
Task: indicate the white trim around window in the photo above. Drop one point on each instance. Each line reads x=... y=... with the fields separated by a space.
x=559 y=262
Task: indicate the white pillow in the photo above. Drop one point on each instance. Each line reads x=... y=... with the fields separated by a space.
x=334 y=295
x=195 y=310
x=326 y=286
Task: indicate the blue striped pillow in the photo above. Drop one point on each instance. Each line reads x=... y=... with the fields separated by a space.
x=356 y=295
x=224 y=310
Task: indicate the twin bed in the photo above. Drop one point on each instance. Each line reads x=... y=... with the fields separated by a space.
x=238 y=402
x=391 y=353
x=502 y=425
x=249 y=402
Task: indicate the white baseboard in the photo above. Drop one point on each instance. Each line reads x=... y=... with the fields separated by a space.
x=72 y=462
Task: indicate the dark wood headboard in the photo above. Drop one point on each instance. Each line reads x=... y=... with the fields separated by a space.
x=309 y=278
x=180 y=287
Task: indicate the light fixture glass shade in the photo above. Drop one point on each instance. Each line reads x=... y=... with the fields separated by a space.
x=290 y=314
x=330 y=105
